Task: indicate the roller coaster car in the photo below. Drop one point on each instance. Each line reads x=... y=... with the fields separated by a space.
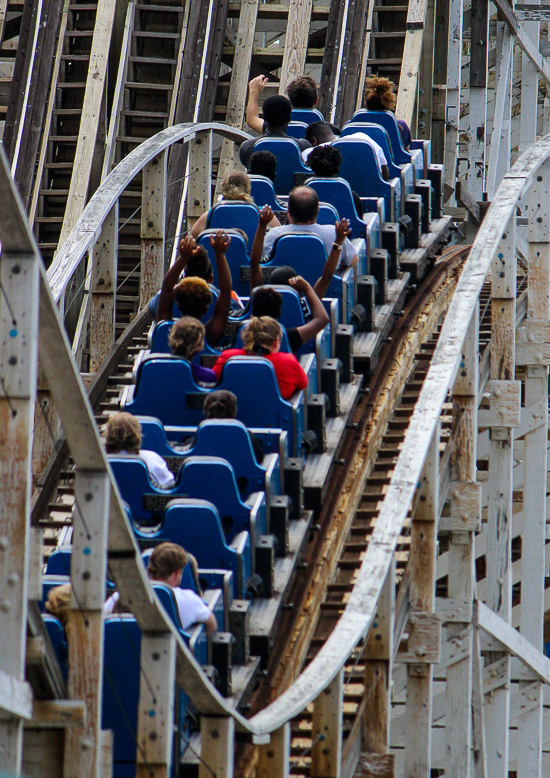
x=307 y=115
x=251 y=379
x=196 y=526
x=306 y=253
x=338 y=192
x=234 y=214
x=289 y=162
x=360 y=169
x=226 y=438
x=263 y=192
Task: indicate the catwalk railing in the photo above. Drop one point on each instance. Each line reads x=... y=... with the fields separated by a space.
x=102 y=530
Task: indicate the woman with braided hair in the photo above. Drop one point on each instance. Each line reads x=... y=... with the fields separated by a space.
x=379 y=95
x=262 y=338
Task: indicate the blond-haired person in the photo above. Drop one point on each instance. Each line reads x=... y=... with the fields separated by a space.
x=122 y=435
x=262 y=338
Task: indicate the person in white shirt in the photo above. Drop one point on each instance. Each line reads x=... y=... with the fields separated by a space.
x=322 y=134
x=166 y=565
x=122 y=434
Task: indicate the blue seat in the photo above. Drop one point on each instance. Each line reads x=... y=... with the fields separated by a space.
x=59 y=641
x=296 y=129
x=121 y=683
x=194 y=637
x=338 y=192
x=226 y=438
x=289 y=161
x=328 y=214
x=263 y=192
x=306 y=253
x=234 y=214
x=360 y=169
x=405 y=172
x=59 y=561
x=237 y=258
x=251 y=378
x=307 y=115
x=158 y=339
x=195 y=524
x=181 y=400
x=387 y=120
x=195 y=480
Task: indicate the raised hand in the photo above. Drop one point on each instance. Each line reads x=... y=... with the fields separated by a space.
x=299 y=284
x=266 y=215
x=258 y=84
x=186 y=248
x=342 y=231
x=220 y=241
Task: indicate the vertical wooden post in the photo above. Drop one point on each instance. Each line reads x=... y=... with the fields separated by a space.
x=199 y=193
x=156 y=706
x=217 y=747
x=478 y=98
x=499 y=511
x=426 y=76
x=458 y=734
x=454 y=85
x=273 y=758
x=422 y=598
x=18 y=359
x=529 y=90
x=378 y=656
x=102 y=288
x=500 y=137
x=153 y=217
x=530 y=732
x=439 y=95
x=326 y=753
x=88 y=573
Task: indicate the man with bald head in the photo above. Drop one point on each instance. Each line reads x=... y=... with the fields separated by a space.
x=303 y=207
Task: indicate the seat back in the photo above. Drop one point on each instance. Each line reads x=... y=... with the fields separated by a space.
x=263 y=192
x=307 y=115
x=252 y=378
x=360 y=169
x=234 y=214
x=237 y=258
x=195 y=524
x=59 y=562
x=328 y=214
x=296 y=129
x=121 y=680
x=304 y=252
x=338 y=192
x=387 y=120
x=181 y=400
x=379 y=134
x=135 y=488
x=289 y=161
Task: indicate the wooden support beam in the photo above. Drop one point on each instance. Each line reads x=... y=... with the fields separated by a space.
x=424 y=107
x=501 y=121
x=217 y=747
x=91 y=109
x=239 y=81
x=19 y=276
x=57 y=714
x=326 y=752
x=102 y=289
x=422 y=598
x=274 y=757
x=458 y=733
x=412 y=52
x=156 y=706
x=199 y=194
x=454 y=86
x=153 y=223
x=296 y=40
x=85 y=629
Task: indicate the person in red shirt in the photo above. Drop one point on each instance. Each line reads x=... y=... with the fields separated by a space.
x=262 y=338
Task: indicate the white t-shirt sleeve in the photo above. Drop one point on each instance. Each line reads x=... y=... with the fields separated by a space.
x=158 y=469
x=381 y=157
x=191 y=608
x=305 y=154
